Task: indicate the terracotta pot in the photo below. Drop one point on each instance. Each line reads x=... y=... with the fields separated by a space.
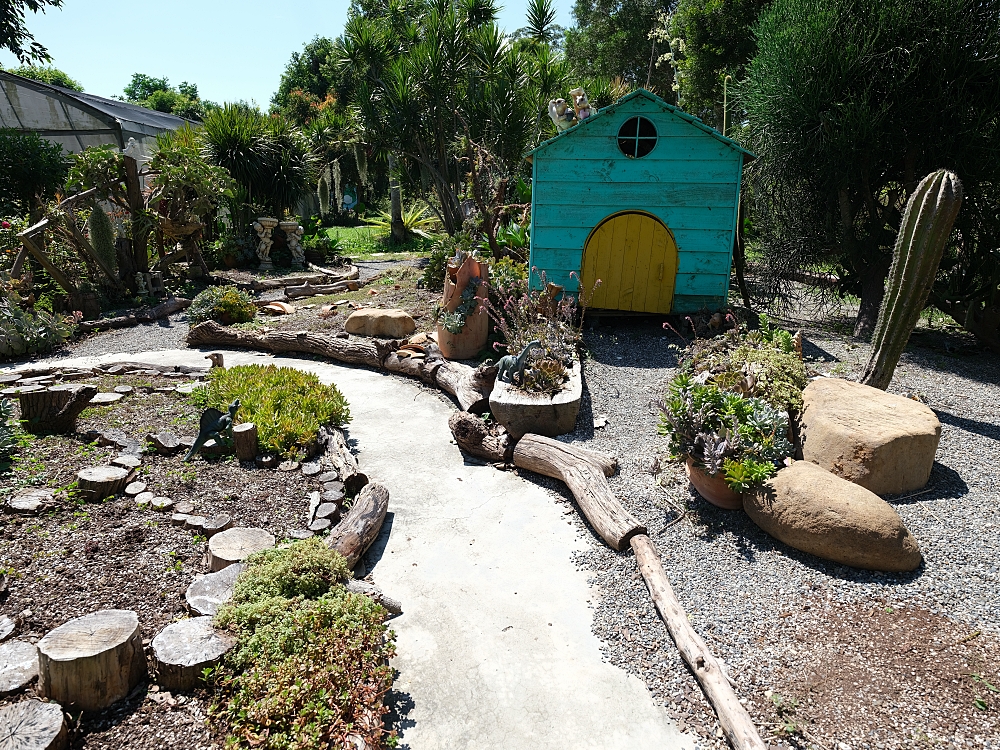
x=714 y=489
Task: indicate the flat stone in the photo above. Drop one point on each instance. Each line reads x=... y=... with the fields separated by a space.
x=320 y=524
x=179 y=519
x=217 y=524
x=521 y=412
x=184 y=507
x=143 y=499
x=301 y=534
x=333 y=496
x=30 y=501
x=186 y=389
x=288 y=466
x=209 y=592
x=814 y=510
x=18 y=666
x=328 y=476
x=124 y=389
x=311 y=468
x=883 y=442
x=7 y=627
x=371 y=321
x=126 y=461
x=326 y=510
x=266 y=462
x=135 y=488
x=161 y=503
x=195 y=523
x=103 y=399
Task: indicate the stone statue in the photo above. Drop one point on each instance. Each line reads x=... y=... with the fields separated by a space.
x=295 y=246
x=263 y=227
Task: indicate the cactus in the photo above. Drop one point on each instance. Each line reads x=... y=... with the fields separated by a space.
x=323 y=191
x=102 y=236
x=923 y=233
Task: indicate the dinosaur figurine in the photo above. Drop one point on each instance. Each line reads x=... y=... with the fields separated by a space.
x=213 y=424
x=511 y=365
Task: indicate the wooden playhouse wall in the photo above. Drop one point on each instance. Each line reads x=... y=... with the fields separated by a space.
x=690 y=181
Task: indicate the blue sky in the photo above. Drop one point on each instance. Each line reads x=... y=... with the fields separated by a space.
x=231 y=50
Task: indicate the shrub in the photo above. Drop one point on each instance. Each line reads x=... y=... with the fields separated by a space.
x=309 y=670
x=8 y=432
x=225 y=304
x=288 y=406
x=444 y=249
x=28 y=331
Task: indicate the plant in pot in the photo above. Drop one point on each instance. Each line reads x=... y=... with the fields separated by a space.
x=730 y=443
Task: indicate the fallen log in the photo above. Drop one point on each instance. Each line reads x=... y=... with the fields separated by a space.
x=352 y=272
x=162 y=310
x=474 y=437
x=54 y=409
x=323 y=276
x=586 y=480
x=308 y=290
x=735 y=721
x=345 y=463
x=358 y=529
x=470 y=387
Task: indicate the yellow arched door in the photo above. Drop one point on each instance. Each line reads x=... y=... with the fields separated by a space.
x=635 y=257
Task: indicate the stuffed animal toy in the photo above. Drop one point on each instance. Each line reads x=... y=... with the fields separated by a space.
x=561 y=114
x=581 y=104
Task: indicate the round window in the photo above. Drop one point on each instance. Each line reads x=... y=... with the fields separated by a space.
x=637 y=137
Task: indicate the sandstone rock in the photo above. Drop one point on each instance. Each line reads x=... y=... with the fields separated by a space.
x=813 y=510
x=18 y=666
x=541 y=413
x=369 y=321
x=884 y=443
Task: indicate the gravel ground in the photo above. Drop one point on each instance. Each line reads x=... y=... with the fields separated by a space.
x=772 y=612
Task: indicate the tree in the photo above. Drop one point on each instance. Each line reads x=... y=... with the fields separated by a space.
x=541 y=28
x=310 y=80
x=34 y=169
x=157 y=94
x=14 y=34
x=47 y=74
x=848 y=104
x=612 y=40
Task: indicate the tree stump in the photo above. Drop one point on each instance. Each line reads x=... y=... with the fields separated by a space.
x=358 y=529
x=99 y=482
x=245 y=441
x=206 y=594
x=236 y=545
x=54 y=409
x=92 y=661
x=18 y=667
x=346 y=463
x=217 y=524
x=33 y=725
x=183 y=649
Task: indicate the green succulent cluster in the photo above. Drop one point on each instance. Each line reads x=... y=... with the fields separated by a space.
x=225 y=304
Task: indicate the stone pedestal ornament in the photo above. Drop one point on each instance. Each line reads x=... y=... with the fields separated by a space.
x=263 y=227
x=293 y=231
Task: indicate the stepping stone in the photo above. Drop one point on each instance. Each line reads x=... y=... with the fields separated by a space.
x=7 y=627
x=333 y=496
x=143 y=498
x=40 y=380
x=18 y=666
x=194 y=523
x=103 y=399
x=184 y=507
x=333 y=486
x=329 y=476
x=217 y=524
x=236 y=545
x=124 y=389
x=184 y=649
x=7 y=379
x=33 y=725
x=209 y=592
x=126 y=461
x=288 y=466
x=165 y=442
x=185 y=389
x=301 y=534
x=14 y=390
x=311 y=468
x=179 y=519
x=135 y=488
x=30 y=501
x=161 y=503
x=326 y=510
x=320 y=524
x=165 y=389
x=99 y=482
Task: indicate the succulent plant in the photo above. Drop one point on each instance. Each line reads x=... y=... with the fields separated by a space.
x=102 y=236
x=7 y=430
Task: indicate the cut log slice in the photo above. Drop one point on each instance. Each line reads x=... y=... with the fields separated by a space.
x=126 y=461
x=236 y=545
x=161 y=503
x=301 y=534
x=92 y=661
x=320 y=524
x=104 y=399
x=206 y=594
x=33 y=725
x=184 y=507
x=195 y=523
x=134 y=488
x=184 y=649
x=217 y=524
x=288 y=466
x=328 y=476
x=30 y=501
x=311 y=468
x=18 y=667
x=358 y=529
x=99 y=482
x=326 y=510
x=245 y=441
x=179 y=519
x=124 y=389
x=143 y=498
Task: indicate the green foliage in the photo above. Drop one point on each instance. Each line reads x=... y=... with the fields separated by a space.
x=224 y=304
x=744 y=438
x=309 y=77
x=185 y=186
x=102 y=236
x=287 y=405
x=8 y=430
x=14 y=35
x=311 y=662
x=508 y=277
x=158 y=94
x=28 y=331
x=46 y=74
x=416 y=218
x=33 y=170
x=445 y=249
x=454 y=322
x=848 y=103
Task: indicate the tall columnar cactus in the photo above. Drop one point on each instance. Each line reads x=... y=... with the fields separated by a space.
x=923 y=233
x=102 y=236
x=323 y=191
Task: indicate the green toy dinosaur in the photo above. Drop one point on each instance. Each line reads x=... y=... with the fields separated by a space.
x=213 y=423
x=511 y=365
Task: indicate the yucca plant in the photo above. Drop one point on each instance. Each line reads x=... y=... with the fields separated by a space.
x=415 y=220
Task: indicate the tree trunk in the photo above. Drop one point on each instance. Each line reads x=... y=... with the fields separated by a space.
x=92 y=661
x=33 y=725
x=740 y=258
x=338 y=453
x=872 y=291
x=397 y=229
x=472 y=437
x=184 y=649
x=126 y=263
x=358 y=529
x=245 y=440
x=55 y=409
x=586 y=480
x=136 y=204
x=99 y=482
x=735 y=721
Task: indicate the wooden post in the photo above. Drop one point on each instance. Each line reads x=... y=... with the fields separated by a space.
x=136 y=204
x=99 y=482
x=245 y=440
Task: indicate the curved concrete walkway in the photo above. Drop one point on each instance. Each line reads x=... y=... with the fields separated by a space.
x=494 y=647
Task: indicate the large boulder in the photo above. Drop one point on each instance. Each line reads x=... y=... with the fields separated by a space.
x=371 y=321
x=882 y=442
x=815 y=511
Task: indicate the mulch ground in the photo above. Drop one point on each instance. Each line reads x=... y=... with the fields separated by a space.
x=81 y=557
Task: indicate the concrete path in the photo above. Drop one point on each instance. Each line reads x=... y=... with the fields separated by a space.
x=494 y=648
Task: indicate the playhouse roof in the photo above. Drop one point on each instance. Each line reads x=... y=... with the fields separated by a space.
x=642 y=93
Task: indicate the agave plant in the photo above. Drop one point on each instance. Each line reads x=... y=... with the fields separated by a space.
x=415 y=219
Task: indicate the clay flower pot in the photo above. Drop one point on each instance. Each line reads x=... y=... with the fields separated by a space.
x=713 y=488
